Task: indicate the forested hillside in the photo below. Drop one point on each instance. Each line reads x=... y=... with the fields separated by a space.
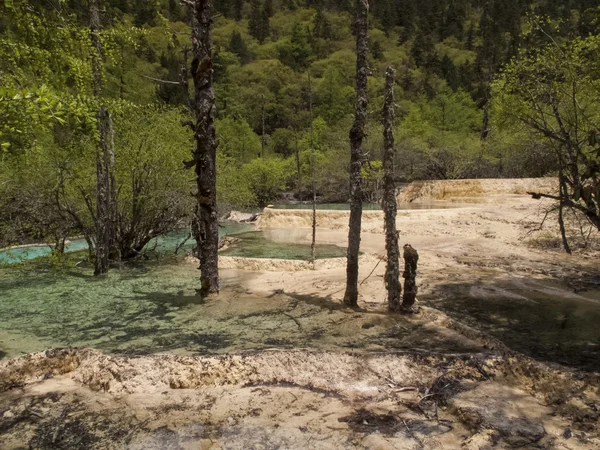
x=446 y=54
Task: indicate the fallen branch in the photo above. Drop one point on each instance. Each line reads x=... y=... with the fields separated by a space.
x=158 y=80
x=293 y=318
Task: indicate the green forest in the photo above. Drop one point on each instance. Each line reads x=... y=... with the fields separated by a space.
x=281 y=69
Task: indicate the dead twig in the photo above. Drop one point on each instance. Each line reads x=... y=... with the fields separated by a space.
x=293 y=318
x=376 y=265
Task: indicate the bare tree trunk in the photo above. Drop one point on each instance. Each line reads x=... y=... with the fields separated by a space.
x=312 y=164
x=392 y=272
x=298 y=165
x=357 y=134
x=205 y=154
x=262 y=134
x=114 y=224
x=183 y=80
x=485 y=127
x=103 y=195
x=411 y=258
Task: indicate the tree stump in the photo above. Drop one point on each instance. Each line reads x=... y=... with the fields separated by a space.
x=411 y=258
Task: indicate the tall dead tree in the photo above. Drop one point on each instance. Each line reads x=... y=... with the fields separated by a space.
x=205 y=154
x=105 y=220
x=312 y=167
x=392 y=272
x=357 y=134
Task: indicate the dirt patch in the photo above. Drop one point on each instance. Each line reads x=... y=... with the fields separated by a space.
x=285 y=399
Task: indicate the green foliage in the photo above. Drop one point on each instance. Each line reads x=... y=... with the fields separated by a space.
x=297 y=52
x=236 y=140
x=446 y=53
x=552 y=91
x=266 y=178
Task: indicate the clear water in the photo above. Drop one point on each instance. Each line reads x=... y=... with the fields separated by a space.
x=257 y=244
x=162 y=243
x=151 y=307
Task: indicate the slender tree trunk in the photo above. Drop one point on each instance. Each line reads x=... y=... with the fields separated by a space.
x=392 y=272
x=262 y=134
x=114 y=223
x=205 y=154
x=357 y=134
x=298 y=166
x=183 y=80
x=312 y=166
x=561 y=220
x=103 y=196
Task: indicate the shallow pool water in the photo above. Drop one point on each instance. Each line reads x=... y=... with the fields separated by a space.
x=257 y=244
x=162 y=243
x=151 y=307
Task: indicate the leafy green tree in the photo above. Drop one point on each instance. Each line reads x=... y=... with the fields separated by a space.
x=236 y=140
x=334 y=96
x=267 y=178
x=552 y=92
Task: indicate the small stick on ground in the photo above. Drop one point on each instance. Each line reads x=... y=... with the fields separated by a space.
x=376 y=265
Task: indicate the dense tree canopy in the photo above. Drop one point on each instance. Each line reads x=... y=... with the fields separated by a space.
x=446 y=54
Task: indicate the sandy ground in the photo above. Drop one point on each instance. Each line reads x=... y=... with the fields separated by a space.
x=433 y=383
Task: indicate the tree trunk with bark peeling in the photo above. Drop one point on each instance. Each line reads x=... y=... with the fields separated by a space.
x=392 y=272
x=205 y=154
x=357 y=134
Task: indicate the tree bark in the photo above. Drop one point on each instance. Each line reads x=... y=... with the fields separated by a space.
x=312 y=166
x=205 y=154
x=103 y=194
x=357 y=134
x=392 y=272
x=411 y=258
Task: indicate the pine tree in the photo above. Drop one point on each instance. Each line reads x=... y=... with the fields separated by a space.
x=449 y=72
x=265 y=26
x=255 y=21
x=268 y=8
x=258 y=25
x=237 y=9
x=322 y=28
x=376 y=50
x=238 y=47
